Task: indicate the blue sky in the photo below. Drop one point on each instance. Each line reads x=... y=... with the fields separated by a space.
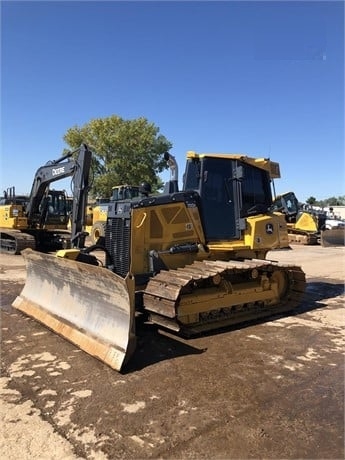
x=261 y=78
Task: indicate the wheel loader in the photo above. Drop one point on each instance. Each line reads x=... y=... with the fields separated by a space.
x=41 y=220
x=189 y=261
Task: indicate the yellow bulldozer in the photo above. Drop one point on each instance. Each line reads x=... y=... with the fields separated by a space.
x=304 y=226
x=188 y=260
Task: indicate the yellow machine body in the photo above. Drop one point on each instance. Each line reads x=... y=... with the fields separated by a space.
x=17 y=231
x=156 y=228
x=97 y=215
x=12 y=216
x=96 y=218
x=307 y=222
x=303 y=226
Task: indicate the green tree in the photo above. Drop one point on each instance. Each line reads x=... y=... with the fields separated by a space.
x=311 y=200
x=331 y=201
x=125 y=152
x=334 y=201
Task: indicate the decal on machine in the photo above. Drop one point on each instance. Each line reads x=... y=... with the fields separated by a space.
x=269 y=229
x=58 y=171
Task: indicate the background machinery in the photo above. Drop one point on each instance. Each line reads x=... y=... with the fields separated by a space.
x=333 y=233
x=41 y=221
x=97 y=215
x=304 y=226
x=10 y=197
x=190 y=261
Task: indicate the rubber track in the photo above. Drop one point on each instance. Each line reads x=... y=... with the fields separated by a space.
x=167 y=286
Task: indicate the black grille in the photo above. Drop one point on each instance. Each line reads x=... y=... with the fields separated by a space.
x=117 y=242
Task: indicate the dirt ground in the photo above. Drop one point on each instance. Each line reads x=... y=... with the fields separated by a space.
x=268 y=390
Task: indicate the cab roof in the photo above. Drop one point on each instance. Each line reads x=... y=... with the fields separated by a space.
x=272 y=167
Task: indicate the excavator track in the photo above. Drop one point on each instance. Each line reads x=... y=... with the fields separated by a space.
x=208 y=295
x=13 y=242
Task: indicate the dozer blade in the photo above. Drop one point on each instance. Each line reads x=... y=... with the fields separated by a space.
x=88 y=305
x=333 y=237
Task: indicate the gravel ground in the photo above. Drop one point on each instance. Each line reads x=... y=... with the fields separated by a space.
x=272 y=389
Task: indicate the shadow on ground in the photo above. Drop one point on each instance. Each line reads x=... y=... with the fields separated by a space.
x=154 y=345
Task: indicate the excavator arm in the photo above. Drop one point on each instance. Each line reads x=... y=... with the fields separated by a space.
x=81 y=188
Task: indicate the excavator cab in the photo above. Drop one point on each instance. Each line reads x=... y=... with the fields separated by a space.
x=52 y=212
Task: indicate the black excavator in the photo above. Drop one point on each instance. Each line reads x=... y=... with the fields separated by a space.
x=40 y=221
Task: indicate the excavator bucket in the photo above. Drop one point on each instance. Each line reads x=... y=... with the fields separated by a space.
x=333 y=237
x=88 y=305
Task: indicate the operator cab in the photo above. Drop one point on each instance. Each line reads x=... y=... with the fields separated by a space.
x=229 y=190
x=54 y=208
x=124 y=192
x=287 y=204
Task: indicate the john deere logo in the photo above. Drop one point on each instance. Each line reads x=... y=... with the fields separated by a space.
x=269 y=229
x=58 y=171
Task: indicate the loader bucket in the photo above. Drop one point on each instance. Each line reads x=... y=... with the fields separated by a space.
x=88 y=305
x=333 y=237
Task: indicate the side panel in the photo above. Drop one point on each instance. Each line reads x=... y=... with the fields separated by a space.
x=307 y=222
x=11 y=216
x=266 y=232
x=159 y=228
